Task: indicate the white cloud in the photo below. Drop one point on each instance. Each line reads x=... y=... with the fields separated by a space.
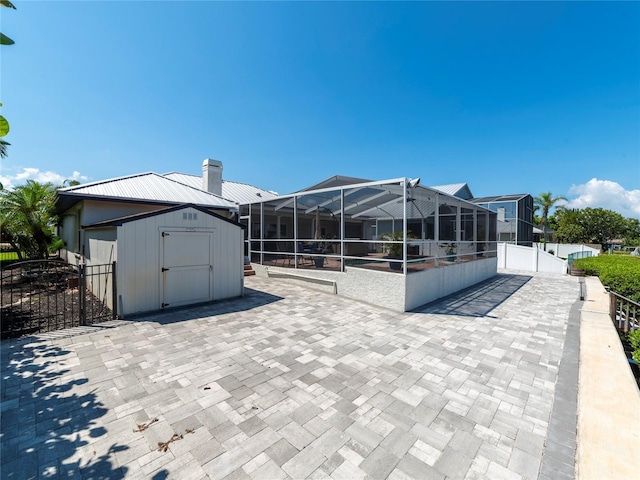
x=29 y=173
x=606 y=194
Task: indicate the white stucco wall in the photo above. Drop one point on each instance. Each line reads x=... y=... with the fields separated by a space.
x=430 y=285
x=393 y=290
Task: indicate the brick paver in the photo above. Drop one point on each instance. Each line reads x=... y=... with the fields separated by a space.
x=289 y=382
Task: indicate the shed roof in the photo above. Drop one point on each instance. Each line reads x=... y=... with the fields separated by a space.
x=116 y=222
x=242 y=193
x=144 y=188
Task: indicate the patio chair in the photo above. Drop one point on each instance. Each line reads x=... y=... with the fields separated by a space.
x=304 y=252
x=283 y=255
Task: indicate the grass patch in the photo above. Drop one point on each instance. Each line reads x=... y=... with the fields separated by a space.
x=8 y=256
x=621 y=273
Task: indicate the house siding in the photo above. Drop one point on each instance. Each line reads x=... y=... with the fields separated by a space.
x=101 y=249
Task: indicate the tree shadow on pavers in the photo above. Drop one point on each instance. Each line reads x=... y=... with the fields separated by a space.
x=252 y=299
x=478 y=300
x=72 y=332
x=44 y=423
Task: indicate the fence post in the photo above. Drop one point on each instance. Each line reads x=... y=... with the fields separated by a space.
x=612 y=307
x=114 y=292
x=82 y=284
x=627 y=320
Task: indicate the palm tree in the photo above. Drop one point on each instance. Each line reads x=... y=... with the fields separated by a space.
x=545 y=202
x=27 y=217
x=3 y=148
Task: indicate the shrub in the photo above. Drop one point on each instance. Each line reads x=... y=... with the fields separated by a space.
x=620 y=273
x=392 y=247
x=634 y=340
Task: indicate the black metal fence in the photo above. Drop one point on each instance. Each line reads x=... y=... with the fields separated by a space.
x=47 y=295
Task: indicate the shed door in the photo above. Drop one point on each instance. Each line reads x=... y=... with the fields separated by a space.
x=187 y=270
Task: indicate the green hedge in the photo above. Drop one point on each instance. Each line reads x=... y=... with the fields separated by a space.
x=621 y=273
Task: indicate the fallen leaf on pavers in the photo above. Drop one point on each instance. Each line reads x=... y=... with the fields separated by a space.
x=164 y=446
x=144 y=426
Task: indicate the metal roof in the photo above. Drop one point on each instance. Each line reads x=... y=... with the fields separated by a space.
x=146 y=188
x=500 y=198
x=460 y=190
x=186 y=178
x=241 y=193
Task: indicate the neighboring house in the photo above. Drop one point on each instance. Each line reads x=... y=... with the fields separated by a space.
x=137 y=220
x=515 y=217
x=538 y=235
x=514 y=212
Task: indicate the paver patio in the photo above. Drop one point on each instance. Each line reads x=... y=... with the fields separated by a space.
x=289 y=382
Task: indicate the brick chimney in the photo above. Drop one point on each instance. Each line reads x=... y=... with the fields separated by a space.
x=212 y=176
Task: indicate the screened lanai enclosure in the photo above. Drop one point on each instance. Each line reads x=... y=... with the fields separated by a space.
x=351 y=232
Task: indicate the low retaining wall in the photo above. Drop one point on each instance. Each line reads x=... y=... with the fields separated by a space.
x=391 y=290
x=429 y=285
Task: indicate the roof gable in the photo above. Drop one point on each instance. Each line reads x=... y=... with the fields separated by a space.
x=335 y=181
x=460 y=190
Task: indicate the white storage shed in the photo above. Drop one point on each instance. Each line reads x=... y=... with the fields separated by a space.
x=171 y=257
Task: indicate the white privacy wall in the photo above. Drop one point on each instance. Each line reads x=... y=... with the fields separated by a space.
x=564 y=249
x=530 y=259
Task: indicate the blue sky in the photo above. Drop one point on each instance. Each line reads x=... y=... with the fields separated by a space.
x=510 y=97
